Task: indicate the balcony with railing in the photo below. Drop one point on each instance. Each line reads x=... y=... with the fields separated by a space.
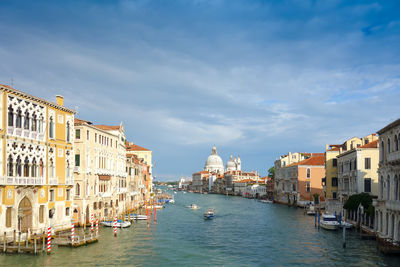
x=53 y=181
x=11 y=180
x=16 y=131
x=393 y=157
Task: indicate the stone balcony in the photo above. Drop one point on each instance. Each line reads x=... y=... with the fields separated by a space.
x=10 y=180
x=393 y=157
x=20 y=132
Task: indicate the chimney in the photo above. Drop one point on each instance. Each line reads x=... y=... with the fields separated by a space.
x=60 y=100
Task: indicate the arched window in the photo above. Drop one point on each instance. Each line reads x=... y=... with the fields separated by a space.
x=26 y=121
x=51 y=128
x=26 y=167
x=388 y=187
x=77 y=189
x=396 y=143
x=19 y=119
x=51 y=168
x=396 y=188
x=381 y=188
x=10 y=166
x=68 y=132
x=68 y=169
x=34 y=168
x=19 y=167
x=10 y=116
x=41 y=168
x=34 y=122
x=388 y=145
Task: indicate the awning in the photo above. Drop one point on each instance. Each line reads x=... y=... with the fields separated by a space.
x=105 y=177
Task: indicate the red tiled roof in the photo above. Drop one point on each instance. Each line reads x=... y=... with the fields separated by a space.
x=373 y=144
x=107 y=127
x=315 y=160
x=79 y=121
x=133 y=147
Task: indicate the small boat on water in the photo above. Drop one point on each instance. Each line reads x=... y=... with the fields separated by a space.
x=310 y=210
x=120 y=224
x=329 y=222
x=138 y=217
x=158 y=207
x=346 y=225
x=172 y=201
x=209 y=215
x=193 y=206
x=266 y=201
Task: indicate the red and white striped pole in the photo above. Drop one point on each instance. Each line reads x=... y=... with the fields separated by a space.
x=91 y=223
x=97 y=227
x=115 y=225
x=72 y=232
x=48 y=240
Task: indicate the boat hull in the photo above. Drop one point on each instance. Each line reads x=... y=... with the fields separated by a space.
x=123 y=224
x=328 y=226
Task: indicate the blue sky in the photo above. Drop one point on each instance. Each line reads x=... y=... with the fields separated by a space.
x=255 y=78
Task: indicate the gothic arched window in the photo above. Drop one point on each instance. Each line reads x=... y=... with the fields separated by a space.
x=77 y=189
x=19 y=119
x=34 y=168
x=68 y=132
x=26 y=167
x=10 y=166
x=51 y=128
x=41 y=167
x=388 y=145
x=26 y=121
x=10 y=116
x=19 y=167
x=396 y=143
x=34 y=122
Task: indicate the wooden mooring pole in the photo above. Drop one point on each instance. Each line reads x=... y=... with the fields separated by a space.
x=344 y=237
x=5 y=242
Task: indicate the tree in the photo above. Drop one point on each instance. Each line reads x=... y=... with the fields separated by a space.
x=271 y=172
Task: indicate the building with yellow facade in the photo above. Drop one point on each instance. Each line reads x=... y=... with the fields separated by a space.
x=36 y=160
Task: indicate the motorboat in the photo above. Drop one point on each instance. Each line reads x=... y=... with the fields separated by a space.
x=266 y=201
x=120 y=224
x=138 y=217
x=329 y=222
x=346 y=225
x=172 y=201
x=310 y=210
x=158 y=207
x=193 y=206
x=209 y=215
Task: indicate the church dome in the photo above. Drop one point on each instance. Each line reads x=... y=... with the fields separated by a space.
x=214 y=162
x=230 y=165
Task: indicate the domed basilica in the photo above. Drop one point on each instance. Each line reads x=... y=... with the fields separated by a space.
x=215 y=164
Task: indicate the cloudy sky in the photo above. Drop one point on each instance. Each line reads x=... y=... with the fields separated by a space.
x=255 y=78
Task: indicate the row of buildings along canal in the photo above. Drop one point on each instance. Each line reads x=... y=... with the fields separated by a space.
x=56 y=168
x=359 y=178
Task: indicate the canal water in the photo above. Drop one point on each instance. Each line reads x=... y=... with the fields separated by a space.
x=244 y=233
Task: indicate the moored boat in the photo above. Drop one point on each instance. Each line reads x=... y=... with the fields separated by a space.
x=193 y=206
x=310 y=210
x=346 y=225
x=120 y=224
x=209 y=215
x=138 y=217
x=266 y=201
x=329 y=222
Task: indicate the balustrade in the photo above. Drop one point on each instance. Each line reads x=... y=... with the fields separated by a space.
x=13 y=180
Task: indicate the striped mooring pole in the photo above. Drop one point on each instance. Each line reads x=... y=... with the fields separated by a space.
x=72 y=232
x=115 y=225
x=97 y=227
x=48 y=240
x=91 y=223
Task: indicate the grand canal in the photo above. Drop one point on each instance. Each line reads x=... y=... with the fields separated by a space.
x=244 y=233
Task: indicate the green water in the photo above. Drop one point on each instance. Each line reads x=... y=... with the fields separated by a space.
x=244 y=233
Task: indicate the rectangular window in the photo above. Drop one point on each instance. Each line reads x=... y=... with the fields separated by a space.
x=60 y=152
x=334 y=181
x=308 y=187
x=41 y=214
x=77 y=134
x=308 y=171
x=8 y=217
x=367 y=163
x=60 y=119
x=95 y=137
x=77 y=160
x=367 y=185
x=334 y=162
x=334 y=195
x=67 y=211
x=87 y=135
x=52 y=195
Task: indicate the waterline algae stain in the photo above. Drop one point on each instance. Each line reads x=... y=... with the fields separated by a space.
x=243 y=233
